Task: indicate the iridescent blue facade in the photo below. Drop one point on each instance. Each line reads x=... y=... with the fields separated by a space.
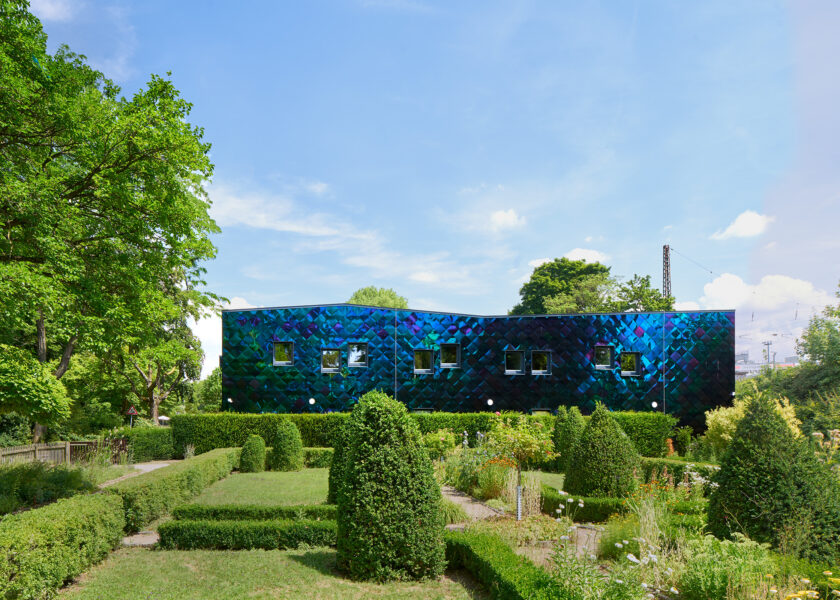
x=687 y=360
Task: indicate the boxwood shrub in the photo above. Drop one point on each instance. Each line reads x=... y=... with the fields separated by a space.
x=41 y=549
x=253 y=512
x=648 y=431
x=246 y=535
x=252 y=458
x=152 y=495
x=150 y=443
x=317 y=458
x=286 y=448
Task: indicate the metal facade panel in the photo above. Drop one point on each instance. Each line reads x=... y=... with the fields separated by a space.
x=687 y=360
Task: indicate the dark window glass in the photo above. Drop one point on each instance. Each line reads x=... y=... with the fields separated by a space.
x=283 y=353
x=422 y=361
x=631 y=363
x=330 y=360
x=603 y=357
x=357 y=355
x=450 y=355
x=540 y=361
x=514 y=361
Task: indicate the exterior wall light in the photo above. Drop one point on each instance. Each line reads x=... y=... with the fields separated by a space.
x=489 y=401
x=230 y=400
x=312 y=401
x=654 y=404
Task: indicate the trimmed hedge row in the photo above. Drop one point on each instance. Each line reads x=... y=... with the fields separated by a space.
x=154 y=494
x=246 y=535
x=491 y=561
x=41 y=549
x=317 y=458
x=253 y=512
x=150 y=443
x=647 y=430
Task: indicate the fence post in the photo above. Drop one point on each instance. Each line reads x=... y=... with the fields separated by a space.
x=67 y=453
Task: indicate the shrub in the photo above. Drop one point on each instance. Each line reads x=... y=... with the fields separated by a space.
x=152 y=495
x=149 y=443
x=439 y=443
x=246 y=535
x=648 y=431
x=389 y=524
x=42 y=549
x=336 y=477
x=682 y=440
x=557 y=428
x=722 y=422
x=568 y=438
x=772 y=488
x=253 y=512
x=594 y=510
x=252 y=459
x=33 y=483
x=604 y=459
x=286 y=448
x=450 y=512
x=15 y=430
x=317 y=458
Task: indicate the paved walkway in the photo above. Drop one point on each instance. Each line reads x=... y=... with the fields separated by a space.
x=475 y=509
x=139 y=469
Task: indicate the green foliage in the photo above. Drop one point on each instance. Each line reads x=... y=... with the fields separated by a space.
x=649 y=431
x=317 y=458
x=149 y=443
x=556 y=437
x=98 y=394
x=46 y=547
x=152 y=495
x=494 y=564
x=207 y=393
x=563 y=278
x=568 y=437
x=452 y=512
x=772 y=488
x=252 y=459
x=246 y=535
x=286 y=448
x=722 y=569
x=374 y=296
x=28 y=388
x=527 y=532
x=34 y=483
x=604 y=460
x=336 y=477
x=722 y=422
x=439 y=443
x=695 y=473
x=618 y=536
x=594 y=510
x=519 y=439
x=15 y=430
x=253 y=512
x=682 y=440
x=389 y=524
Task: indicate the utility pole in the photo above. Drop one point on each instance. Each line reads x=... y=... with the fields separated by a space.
x=767 y=345
x=666 y=270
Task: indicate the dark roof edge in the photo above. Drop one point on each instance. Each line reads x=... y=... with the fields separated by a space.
x=441 y=312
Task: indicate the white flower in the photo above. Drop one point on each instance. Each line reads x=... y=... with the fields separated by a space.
x=625 y=542
x=558 y=510
x=618 y=545
x=564 y=537
x=644 y=585
x=632 y=558
x=570 y=499
x=673 y=590
x=619 y=581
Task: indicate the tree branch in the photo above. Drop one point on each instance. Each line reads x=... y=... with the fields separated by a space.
x=64 y=363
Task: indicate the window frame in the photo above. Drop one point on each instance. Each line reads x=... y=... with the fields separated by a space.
x=638 y=371
x=431 y=368
x=282 y=363
x=521 y=370
x=358 y=365
x=547 y=370
x=611 y=349
x=337 y=368
x=457 y=363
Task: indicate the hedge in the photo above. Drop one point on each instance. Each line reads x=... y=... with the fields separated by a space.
x=245 y=535
x=317 y=458
x=598 y=510
x=504 y=573
x=253 y=512
x=150 y=443
x=647 y=430
x=152 y=495
x=41 y=549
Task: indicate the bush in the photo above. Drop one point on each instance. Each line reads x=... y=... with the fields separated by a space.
x=336 y=476
x=451 y=512
x=245 y=535
x=493 y=563
x=603 y=461
x=682 y=440
x=15 y=430
x=34 y=483
x=722 y=422
x=317 y=458
x=568 y=437
x=42 y=549
x=252 y=459
x=286 y=448
x=557 y=428
x=253 y=512
x=152 y=495
x=389 y=523
x=594 y=510
x=149 y=443
x=649 y=431
x=439 y=443
x=772 y=488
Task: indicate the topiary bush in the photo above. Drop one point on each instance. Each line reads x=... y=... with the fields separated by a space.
x=772 y=488
x=286 y=448
x=252 y=459
x=567 y=438
x=557 y=428
x=389 y=521
x=604 y=460
x=336 y=476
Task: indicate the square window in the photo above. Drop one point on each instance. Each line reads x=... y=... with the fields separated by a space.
x=357 y=355
x=631 y=364
x=450 y=356
x=330 y=360
x=603 y=357
x=540 y=362
x=284 y=353
x=423 y=361
x=514 y=362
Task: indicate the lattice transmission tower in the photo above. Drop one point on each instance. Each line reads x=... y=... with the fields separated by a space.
x=666 y=270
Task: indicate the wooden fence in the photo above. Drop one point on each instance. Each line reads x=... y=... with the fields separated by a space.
x=62 y=452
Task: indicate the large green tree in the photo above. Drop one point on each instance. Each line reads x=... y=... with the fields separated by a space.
x=103 y=212
x=820 y=342
x=374 y=296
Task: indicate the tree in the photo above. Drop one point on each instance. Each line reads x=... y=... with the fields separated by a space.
x=560 y=278
x=28 y=388
x=207 y=393
x=637 y=295
x=820 y=342
x=374 y=296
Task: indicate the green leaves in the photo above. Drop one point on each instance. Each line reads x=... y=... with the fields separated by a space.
x=374 y=296
x=28 y=388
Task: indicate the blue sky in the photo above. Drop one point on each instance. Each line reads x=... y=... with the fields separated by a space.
x=444 y=149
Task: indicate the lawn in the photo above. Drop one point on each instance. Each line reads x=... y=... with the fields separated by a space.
x=308 y=486
x=139 y=574
x=99 y=474
x=554 y=480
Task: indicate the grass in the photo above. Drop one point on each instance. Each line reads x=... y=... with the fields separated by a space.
x=139 y=574
x=308 y=486
x=554 y=480
x=99 y=474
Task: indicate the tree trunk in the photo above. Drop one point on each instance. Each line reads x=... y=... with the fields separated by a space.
x=40 y=431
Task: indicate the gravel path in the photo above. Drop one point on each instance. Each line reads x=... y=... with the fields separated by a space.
x=139 y=469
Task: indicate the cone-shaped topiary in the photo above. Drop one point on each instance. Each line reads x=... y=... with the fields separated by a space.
x=286 y=448
x=252 y=459
x=772 y=488
x=337 y=466
x=389 y=522
x=567 y=438
x=604 y=460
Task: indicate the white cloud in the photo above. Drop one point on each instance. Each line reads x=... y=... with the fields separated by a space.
x=319 y=188
x=748 y=224
x=587 y=254
x=424 y=277
x=209 y=331
x=537 y=262
x=54 y=10
x=505 y=219
x=686 y=306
